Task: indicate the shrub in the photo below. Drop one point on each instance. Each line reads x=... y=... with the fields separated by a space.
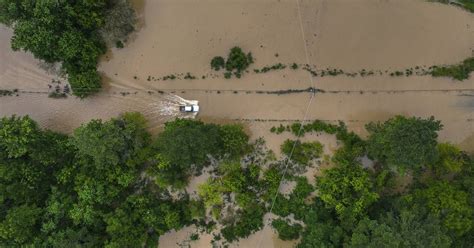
x=303 y=153
x=296 y=129
x=459 y=72
x=238 y=60
x=287 y=231
x=119 y=44
x=248 y=221
x=217 y=63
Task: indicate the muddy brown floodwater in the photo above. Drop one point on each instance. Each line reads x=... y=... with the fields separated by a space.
x=180 y=36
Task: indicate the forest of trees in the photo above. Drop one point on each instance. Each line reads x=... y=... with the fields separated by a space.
x=111 y=184
x=73 y=33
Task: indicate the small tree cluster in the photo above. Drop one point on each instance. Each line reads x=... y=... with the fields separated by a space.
x=236 y=64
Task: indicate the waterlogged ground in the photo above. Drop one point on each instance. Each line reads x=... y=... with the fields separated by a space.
x=181 y=36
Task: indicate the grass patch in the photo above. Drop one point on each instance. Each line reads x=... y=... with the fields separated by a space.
x=274 y=67
x=459 y=72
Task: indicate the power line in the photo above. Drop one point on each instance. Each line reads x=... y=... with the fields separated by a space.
x=301 y=127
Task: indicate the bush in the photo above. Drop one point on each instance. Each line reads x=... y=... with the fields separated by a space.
x=303 y=153
x=249 y=221
x=217 y=63
x=459 y=72
x=287 y=231
x=238 y=60
x=296 y=129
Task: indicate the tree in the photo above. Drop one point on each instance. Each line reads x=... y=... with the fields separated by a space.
x=20 y=225
x=66 y=32
x=445 y=201
x=139 y=218
x=217 y=63
x=109 y=158
x=184 y=147
x=451 y=159
x=404 y=230
x=16 y=134
x=404 y=143
x=302 y=153
x=234 y=139
x=287 y=231
x=238 y=60
x=349 y=190
x=322 y=228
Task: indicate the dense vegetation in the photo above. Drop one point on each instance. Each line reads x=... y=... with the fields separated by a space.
x=459 y=71
x=73 y=33
x=111 y=184
x=89 y=189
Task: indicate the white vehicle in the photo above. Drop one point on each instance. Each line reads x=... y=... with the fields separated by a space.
x=191 y=108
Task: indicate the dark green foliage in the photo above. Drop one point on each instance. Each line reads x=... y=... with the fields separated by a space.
x=322 y=230
x=119 y=44
x=278 y=130
x=447 y=202
x=468 y=4
x=217 y=63
x=234 y=140
x=294 y=66
x=354 y=146
x=404 y=143
x=287 y=231
x=7 y=92
x=189 y=76
x=81 y=191
x=16 y=134
x=296 y=202
x=274 y=67
x=302 y=153
x=237 y=63
x=62 y=31
x=459 y=72
x=129 y=224
x=194 y=237
x=406 y=230
x=93 y=190
x=238 y=60
x=248 y=221
x=184 y=146
x=296 y=129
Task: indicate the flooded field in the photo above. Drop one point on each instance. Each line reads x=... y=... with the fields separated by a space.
x=181 y=36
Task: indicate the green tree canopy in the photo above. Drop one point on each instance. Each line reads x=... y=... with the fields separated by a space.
x=65 y=31
x=404 y=143
x=349 y=190
x=184 y=147
x=447 y=202
x=404 y=230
